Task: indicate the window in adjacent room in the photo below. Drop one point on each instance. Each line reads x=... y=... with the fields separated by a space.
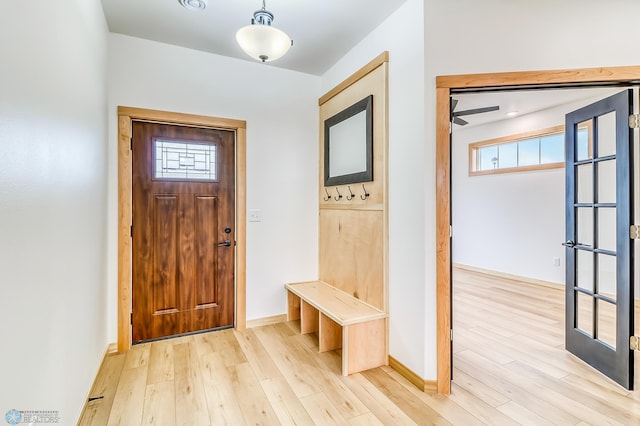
x=539 y=149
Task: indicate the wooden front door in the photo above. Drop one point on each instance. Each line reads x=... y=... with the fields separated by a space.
x=183 y=230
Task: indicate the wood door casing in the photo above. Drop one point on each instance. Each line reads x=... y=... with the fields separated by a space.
x=182 y=280
x=445 y=84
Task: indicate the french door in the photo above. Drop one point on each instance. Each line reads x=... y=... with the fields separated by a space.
x=599 y=256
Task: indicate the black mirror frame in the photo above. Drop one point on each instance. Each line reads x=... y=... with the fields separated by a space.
x=365 y=104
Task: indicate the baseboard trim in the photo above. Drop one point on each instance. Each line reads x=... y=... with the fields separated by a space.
x=259 y=322
x=111 y=348
x=427 y=386
x=431 y=387
x=534 y=281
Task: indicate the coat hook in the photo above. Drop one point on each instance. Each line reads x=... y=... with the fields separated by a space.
x=339 y=194
x=350 y=197
x=366 y=194
x=328 y=195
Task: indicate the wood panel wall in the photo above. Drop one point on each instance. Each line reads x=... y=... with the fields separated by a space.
x=354 y=233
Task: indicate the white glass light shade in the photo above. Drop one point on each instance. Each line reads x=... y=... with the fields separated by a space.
x=263 y=42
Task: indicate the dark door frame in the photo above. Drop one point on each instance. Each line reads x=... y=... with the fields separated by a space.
x=125 y=116
x=629 y=75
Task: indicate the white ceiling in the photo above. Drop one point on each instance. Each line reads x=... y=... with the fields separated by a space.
x=524 y=102
x=322 y=30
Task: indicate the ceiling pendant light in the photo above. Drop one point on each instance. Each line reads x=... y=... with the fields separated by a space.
x=193 y=4
x=262 y=41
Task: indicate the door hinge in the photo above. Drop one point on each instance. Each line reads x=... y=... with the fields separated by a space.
x=131 y=231
x=634 y=121
x=634 y=343
x=131 y=143
x=451 y=334
x=450 y=231
x=634 y=232
x=131 y=318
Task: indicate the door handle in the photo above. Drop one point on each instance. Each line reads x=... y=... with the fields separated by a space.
x=569 y=244
x=227 y=243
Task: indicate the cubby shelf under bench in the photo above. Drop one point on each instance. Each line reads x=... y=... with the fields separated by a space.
x=341 y=322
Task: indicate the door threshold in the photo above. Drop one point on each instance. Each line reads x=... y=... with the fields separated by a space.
x=191 y=333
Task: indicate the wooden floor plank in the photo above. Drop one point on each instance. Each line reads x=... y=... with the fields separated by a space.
x=256 y=355
x=376 y=401
x=321 y=410
x=159 y=404
x=448 y=409
x=365 y=420
x=104 y=387
x=293 y=362
x=222 y=402
x=402 y=397
x=329 y=380
x=549 y=390
x=517 y=390
x=161 y=366
x=523 y=415
x=478 y=389
x=486 y=413
x=285 y=403
x=138 y=356
x=254 y=404
x=191 y=403
x=128 y=402
x=224 y=342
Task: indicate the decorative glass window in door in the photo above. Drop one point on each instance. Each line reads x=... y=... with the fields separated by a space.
x=184 y=160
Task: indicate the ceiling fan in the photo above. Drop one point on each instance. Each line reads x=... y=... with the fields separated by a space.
x=455 y=115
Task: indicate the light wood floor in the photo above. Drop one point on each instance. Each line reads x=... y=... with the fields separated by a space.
x=509 y=368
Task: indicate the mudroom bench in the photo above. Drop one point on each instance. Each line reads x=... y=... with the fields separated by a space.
x=341 y=321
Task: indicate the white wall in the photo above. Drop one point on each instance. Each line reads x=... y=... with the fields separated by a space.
x=466 y=36
x=281 y=111
x=410 y=309
x=52 y=203
x=512 y=222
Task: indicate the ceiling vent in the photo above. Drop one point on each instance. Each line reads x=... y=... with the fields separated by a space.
x=193 y=4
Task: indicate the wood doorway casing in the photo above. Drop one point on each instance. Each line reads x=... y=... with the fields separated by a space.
x=444 y=86
x=125 y=117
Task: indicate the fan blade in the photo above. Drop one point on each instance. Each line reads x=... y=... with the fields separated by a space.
x=476 y=111
x=454 y=102
x=460 y=121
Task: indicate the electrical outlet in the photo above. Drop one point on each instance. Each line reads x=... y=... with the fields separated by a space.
x=556 y=261
x=255 y=215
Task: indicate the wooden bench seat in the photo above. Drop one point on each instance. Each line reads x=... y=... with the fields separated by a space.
x=341 y=322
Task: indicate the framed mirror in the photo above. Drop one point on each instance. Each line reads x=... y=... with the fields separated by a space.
x=348 y=145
